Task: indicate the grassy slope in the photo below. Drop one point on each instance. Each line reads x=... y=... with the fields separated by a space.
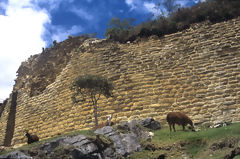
x=194 y=144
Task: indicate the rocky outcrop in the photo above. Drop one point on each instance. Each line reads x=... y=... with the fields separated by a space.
x=16 y=155
x=108 y=143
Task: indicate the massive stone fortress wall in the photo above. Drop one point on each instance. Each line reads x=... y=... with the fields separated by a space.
x=196 y=71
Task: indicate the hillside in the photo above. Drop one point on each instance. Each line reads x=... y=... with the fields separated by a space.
x=212 y=143
x=196 y=71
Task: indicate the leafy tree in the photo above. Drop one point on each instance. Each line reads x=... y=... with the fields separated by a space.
x=118 y=29
x=122 y=25
x=169 y=5
x=90 y=88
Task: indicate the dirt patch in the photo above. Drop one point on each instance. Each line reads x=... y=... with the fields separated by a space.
x=235 y=152
x=229 y=142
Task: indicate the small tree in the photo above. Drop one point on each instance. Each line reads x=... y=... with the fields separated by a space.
x=169 y=5
x=90 y=88
x=118 y=30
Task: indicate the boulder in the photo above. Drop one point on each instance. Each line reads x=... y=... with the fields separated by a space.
x=124 y=144
x=16 y=155
x=150 y=123
x=78 y=153
x=50 y=146
x=134 y=127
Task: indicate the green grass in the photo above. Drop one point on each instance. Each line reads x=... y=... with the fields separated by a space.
x=164 y=134
x=196 y=144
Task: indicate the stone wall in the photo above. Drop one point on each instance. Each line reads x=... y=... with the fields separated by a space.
x=4 y=114
x=196 y=71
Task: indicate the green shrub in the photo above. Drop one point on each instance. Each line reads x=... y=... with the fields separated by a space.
x=212 y=10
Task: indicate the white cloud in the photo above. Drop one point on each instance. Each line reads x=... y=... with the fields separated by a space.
x=141 y=6
x=21 y=29
x=134 y=4
x=62 y=33
x=80 y=12
x=51 y=4
x=151 y=7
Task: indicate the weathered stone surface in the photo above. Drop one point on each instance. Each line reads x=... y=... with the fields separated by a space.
x=49 y=147
x=15 y=155
x=77 y=141
x=150 y=123
x=78 y=153
x=126 y=141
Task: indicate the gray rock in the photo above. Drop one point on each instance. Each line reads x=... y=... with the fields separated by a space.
x=15 y=155
x=78 y=154
x=80 y=142
x=109 y=153
x=84 y=147
x=134 y=127
x=76 y=141
x=124 y=144
x=131 y=143
x=150 y=123
x=49 y=147
x=106 y=131
x=123 y=126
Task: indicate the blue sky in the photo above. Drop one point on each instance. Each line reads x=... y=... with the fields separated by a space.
x=28 y=25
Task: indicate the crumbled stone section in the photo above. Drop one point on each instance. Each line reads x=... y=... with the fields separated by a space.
x=40 y=70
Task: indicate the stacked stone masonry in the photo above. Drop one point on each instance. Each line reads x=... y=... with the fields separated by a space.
x=196 y=71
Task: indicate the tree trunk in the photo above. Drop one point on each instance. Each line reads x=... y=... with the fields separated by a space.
x=95 y=113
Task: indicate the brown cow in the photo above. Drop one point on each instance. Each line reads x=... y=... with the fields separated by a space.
x=180 y=119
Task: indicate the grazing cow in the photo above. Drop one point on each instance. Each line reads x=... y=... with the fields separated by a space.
x=180 y=119
x=31 y=138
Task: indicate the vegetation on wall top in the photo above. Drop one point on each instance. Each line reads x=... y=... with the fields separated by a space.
x=211 y=10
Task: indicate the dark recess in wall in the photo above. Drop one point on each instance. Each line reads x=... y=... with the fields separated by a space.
x=11 y=120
